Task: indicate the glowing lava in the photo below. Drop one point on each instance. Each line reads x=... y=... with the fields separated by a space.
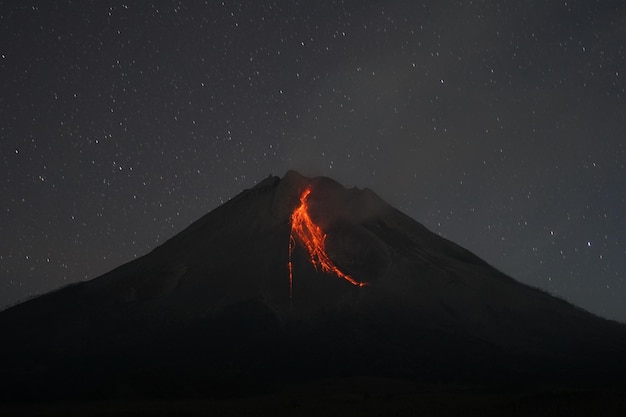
x=314 y=240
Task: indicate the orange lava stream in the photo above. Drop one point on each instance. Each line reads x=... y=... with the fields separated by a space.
x=314 y=240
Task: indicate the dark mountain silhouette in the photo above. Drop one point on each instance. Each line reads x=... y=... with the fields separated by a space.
x=209 y=312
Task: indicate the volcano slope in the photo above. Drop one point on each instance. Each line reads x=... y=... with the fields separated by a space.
x=240 y=301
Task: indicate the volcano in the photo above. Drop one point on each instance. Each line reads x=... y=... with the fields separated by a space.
x=299 y=279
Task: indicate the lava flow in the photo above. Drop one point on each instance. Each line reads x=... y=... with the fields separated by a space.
x=314 y=240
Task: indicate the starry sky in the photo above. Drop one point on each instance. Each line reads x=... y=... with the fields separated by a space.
x=497 y=124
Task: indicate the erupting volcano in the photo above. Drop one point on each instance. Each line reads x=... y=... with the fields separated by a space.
x=314 y=240
x=207 y=314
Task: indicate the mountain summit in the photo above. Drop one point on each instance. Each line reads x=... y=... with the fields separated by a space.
x=296 y=279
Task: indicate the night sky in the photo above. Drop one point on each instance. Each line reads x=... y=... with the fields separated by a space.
x=497 y=124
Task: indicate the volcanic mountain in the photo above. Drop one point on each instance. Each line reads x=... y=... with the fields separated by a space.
x=293 y=280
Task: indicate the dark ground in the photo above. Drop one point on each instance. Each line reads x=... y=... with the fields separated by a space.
x=359 y=397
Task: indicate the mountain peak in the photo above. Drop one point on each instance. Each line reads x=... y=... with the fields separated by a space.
x=301 y=276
